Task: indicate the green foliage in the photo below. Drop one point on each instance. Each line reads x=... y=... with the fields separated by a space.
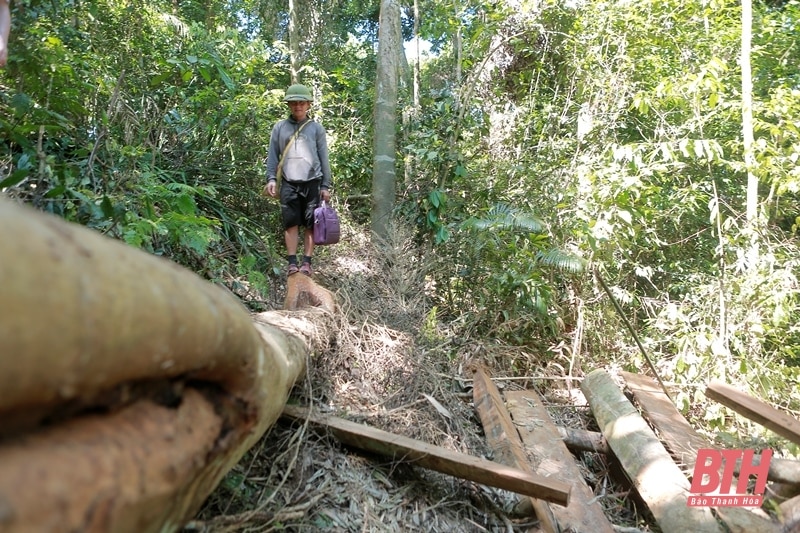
x=157 y=134
x=617 y=123
x=658 y=195
x=170 y=218
x=621 y=124
x=435 y=208
x=759 y=346
x=507 y=271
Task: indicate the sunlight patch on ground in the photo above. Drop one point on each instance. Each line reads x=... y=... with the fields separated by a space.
x=350 y=264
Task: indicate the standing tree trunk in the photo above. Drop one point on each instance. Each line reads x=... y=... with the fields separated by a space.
x=384 y=162
x=747 y=133
x=417 y=57
x=294 y=42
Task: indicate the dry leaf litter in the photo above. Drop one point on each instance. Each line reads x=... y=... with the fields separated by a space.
x=390 y=366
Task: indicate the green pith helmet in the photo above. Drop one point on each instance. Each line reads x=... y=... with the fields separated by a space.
x=298 y=93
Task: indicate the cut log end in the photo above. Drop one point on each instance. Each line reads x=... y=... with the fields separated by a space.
x=303 y=292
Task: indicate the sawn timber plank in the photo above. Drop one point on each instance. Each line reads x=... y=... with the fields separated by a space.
x=755 y=409
x=504 y=440
x=673 y=429
x=416 y=452
x=541 y=437
x=681 y=439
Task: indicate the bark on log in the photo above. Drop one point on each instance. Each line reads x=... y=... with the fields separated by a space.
x=130 y=386
x=583 y=440
x=786 y=471
x=789 y=514
x=657 y=479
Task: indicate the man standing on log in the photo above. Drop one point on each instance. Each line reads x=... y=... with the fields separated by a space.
x=298 y=153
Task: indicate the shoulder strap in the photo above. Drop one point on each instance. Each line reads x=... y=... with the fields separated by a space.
x=286 y=149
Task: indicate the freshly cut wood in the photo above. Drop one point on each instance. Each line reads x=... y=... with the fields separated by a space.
x=419 y=453
x=683 y=441
x=583 y=440
x=675 y=432
x=657 y=479
x=584 y=514
x=754 y=409
x=504 y=440
x=302 y=293
x=152 y=381
x=91 y=473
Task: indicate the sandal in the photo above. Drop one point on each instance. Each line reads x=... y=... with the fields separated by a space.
x=292 y=269
x=306 y=269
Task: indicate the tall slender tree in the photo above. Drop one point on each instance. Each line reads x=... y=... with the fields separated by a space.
x=390 y=43
x=294 y=42
x=747 y=132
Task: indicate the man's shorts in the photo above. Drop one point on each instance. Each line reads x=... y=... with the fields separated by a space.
x=298 y=201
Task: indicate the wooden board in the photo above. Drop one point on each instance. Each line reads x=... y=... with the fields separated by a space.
x=436 y=458
x=756 y=410
x=503 y=439
x=678 y=436
x=584 y=514
x=657 y=479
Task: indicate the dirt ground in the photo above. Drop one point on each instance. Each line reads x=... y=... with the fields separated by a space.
x=394 y=367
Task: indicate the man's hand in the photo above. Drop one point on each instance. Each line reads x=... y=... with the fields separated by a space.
x=271 y=189
x=325 y=194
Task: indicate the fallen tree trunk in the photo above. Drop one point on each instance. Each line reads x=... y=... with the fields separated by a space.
x=130 y=386
x=657 y=479
x=781 y=470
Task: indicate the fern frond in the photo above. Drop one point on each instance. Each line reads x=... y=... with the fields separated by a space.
x=502 y=216
x=561 y=260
